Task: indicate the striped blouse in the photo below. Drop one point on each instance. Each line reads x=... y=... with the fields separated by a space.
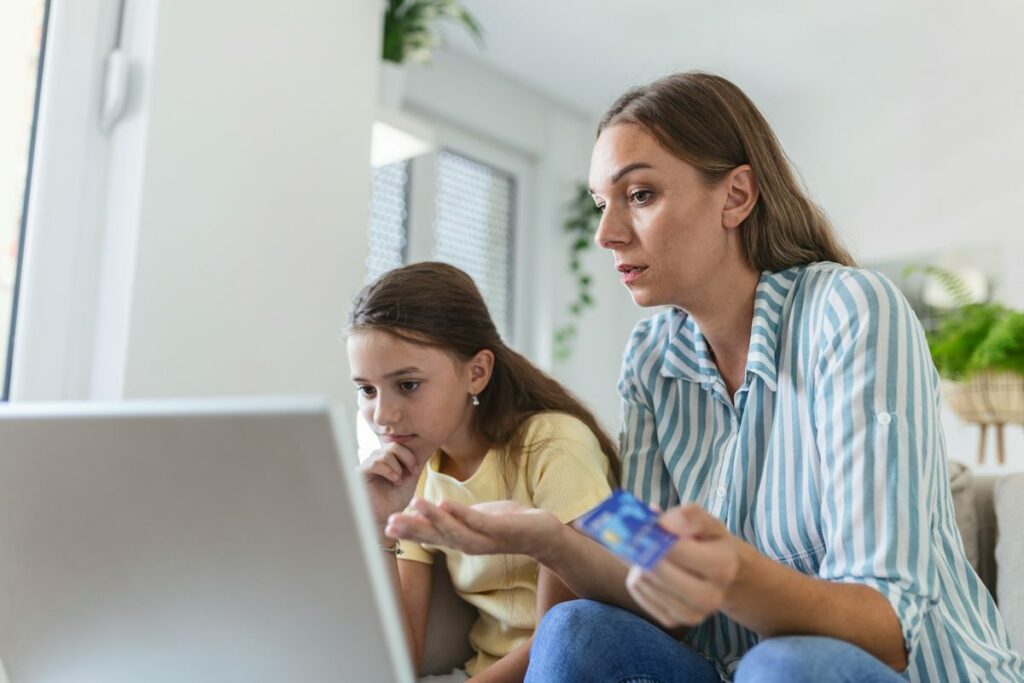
x=829 y=458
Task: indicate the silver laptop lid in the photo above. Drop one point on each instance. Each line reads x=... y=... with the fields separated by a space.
x=189 y=541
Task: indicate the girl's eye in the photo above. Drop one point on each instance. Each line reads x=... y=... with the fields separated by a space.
x=640 y=196
x=366 y=390
x=408 y=386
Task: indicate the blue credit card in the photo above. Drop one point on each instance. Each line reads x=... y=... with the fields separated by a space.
x=626 y=526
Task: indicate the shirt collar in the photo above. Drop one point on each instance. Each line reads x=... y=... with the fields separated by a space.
x=688 y=357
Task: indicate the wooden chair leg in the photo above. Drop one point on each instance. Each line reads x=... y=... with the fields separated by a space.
x=1000 y=445
x=981 y=443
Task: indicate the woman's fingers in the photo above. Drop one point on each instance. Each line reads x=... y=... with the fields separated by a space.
x=664 y=604
x=693 y=593
x=425 y=523
x=457 y=534
x=412 y=527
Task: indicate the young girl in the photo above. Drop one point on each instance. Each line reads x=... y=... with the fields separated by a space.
x=462 y=417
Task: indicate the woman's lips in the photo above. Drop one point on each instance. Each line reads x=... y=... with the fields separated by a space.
x=629 y=274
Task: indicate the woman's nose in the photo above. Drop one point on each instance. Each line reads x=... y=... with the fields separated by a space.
x=611 y=231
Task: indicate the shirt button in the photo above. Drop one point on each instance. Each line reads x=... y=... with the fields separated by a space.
x=720 y=492
x=884 y=418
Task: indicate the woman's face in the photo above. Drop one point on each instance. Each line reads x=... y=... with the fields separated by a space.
x=411 y=394
x=663 y=223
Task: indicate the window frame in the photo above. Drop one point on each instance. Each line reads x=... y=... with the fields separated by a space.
x=52 y=345
x=27 y=192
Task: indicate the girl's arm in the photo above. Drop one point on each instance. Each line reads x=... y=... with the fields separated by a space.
x=411 y=580
x=512 y=667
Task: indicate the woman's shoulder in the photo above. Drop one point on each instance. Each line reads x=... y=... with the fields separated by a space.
x=825 y=282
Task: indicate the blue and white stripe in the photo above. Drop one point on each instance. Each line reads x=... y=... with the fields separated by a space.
x=830 y=458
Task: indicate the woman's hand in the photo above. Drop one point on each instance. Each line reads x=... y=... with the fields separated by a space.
x=501 y=527
x=691 y=582
x=390 y=474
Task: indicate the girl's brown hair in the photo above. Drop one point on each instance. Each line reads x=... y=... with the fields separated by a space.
x=709 y=123
x=438 y=305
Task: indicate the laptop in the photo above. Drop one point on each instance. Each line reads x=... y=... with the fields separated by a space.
x=212 y=540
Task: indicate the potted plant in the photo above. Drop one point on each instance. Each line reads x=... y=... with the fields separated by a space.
x=411 y=28
x=978 y=349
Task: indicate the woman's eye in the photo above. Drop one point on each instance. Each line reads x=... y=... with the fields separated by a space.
x=408 y=386
x=366 y=390
x=640 y=196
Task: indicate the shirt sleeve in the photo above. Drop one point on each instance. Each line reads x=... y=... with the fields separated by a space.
x=644 y=473
x=568 y=471
x=880 y=443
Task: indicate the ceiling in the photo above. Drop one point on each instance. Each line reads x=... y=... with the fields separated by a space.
x=586 y=52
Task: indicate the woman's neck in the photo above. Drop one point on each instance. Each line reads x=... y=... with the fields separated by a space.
x=725 y=319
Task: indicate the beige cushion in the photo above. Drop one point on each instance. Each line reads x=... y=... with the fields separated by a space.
x=1009 y=506
x=961 y=488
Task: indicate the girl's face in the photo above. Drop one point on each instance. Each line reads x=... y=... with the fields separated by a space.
x=415 y=395
x=667 y=228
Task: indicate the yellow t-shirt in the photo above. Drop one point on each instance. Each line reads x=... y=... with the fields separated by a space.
x=565 y=473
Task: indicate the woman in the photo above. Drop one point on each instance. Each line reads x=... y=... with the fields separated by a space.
x=784 y=412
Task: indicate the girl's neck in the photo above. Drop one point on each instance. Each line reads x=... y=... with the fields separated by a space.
x=462 y=455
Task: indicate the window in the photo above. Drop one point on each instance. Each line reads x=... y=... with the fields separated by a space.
x=467 y=220
x=474 y=229
x=22 y=31
x=389 y=214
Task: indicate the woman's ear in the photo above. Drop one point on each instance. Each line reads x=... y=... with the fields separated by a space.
x=481 y=366
x=741 y=196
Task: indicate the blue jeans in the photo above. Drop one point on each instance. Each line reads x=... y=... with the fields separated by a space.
x=585 y=641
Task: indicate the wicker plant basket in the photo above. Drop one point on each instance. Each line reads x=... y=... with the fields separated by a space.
x=988 y=398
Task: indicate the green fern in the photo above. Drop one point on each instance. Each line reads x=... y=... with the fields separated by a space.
x=1003 y=347
x=975 y=336
x=959 y=336
x=951 y=281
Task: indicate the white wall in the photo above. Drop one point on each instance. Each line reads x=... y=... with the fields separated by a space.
x=234 y=235
x=254 y=204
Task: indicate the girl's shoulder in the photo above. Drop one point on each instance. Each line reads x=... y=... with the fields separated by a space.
x=556 y=425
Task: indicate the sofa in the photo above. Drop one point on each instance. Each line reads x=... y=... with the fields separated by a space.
x=989 y=512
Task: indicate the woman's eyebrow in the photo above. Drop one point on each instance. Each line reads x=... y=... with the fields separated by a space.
x=629 y=168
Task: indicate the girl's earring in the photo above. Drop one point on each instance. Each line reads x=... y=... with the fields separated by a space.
x=474 y=399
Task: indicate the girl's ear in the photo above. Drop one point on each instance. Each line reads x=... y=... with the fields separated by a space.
x=480 y=368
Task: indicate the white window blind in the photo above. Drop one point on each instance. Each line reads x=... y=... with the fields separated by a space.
x=389 y=216
x=474 y=229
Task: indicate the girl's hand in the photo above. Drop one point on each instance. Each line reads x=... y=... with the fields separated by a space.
x=498 y=528
x=390 y=474
x=691 y=582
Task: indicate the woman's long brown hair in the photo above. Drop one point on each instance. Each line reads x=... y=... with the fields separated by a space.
x=438 y=305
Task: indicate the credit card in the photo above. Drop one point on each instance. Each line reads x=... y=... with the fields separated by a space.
x=626 y=526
